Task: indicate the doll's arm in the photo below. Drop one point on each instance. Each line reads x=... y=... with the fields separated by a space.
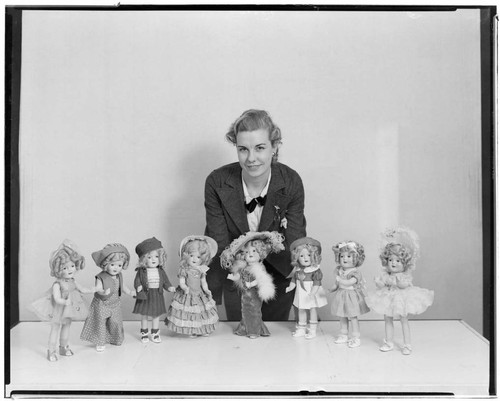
x=166 y=282
x=347 y=281
x=403 y=281
x=100 y=289
x=250 y=284
x=379 y=282
x=56 y=294
x=128 y=291
x=291 y=286
x=85 y=290
x=182 y=284
x=314 y=290
x=234 y=276
x=204 y=285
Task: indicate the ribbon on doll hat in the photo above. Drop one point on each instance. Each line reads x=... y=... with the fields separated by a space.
x=305 y=241
x=274 y=238
x=405 y=237
x=212 y=245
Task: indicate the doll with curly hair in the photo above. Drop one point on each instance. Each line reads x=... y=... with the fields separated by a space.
x=193 y=311
x=306 y=278
x=104 y=323
x=63 y=303
x=348 y=300
x=396 y=297
x=244 y=257
x=149 y=283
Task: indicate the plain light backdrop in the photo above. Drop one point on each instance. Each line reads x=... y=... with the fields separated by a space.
x=123 y=115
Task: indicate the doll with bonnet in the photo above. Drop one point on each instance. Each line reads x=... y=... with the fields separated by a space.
x=63 y=303
x=149 y=283
x=104 y=323
x=348 y=300
x=244 y=257
x=306 y=278
x=193 y=311
x=396 y=297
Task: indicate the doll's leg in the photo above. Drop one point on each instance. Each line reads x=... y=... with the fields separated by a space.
x=155 y=331
x=144 y=329
x=54 y=334
x=313 y=323
x=344 y=330
x=405 y=325
x=389 y=334
x=64 y=339
x=300 y=329
x=356 y=334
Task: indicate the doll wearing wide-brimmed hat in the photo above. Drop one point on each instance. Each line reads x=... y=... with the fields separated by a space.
x=244 y=257
x=193 y=311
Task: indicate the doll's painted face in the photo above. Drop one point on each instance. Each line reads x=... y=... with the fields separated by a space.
x=152 y=259
x=194 y=259
x=304 y=258
x=251 y=255
x=114 y=267
x=68 y=270
x=395 y=264
x=346 y=260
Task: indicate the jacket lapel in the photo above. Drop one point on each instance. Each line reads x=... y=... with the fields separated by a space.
x=276 y=202
x=232 y=198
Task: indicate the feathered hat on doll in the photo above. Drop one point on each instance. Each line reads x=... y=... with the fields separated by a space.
x=401 y=241
x=273 y=242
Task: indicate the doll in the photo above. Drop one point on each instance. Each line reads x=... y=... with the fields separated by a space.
x=193 y=310
x=149 y=283
x=244 y=256
x=63 y=303
x=309 y=295
x=348 y=300
x=104 y=323
x=396 y=297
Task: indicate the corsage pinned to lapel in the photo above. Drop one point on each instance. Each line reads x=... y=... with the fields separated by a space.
x=280 y=216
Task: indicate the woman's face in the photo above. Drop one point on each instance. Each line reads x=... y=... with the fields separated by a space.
x=255 y=153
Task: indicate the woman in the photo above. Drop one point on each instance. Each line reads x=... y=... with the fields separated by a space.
x=254 y=194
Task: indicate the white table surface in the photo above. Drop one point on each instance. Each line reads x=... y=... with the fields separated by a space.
x=448 y=357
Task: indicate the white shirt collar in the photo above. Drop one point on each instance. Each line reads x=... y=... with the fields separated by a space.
x=262 y=193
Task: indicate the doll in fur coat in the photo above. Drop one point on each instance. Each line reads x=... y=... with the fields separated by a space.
x=244 y=257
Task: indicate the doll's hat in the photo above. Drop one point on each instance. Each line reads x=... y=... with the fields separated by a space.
x=146 y=246
x=274 y=238
x=305 y=241
x=68 y=246
x=100 y=256
x=212 y=245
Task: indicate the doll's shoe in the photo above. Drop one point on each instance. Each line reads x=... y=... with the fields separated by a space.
x=386 y=346
x=100 y=348
x=311 y=333
x=300 y=331
x=342 y=339
x=144 y=336
x=66 y=351
x=51 y=355
x=155 y=337
x=406 y=350
x=354 y=342
x=253 y=337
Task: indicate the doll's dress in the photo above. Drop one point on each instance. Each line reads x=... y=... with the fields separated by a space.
x=349 y=301
x=251 y=323
x=305 y=279
x=391 y=300
x=104 y=323
x=48 y=310
x=195 y=312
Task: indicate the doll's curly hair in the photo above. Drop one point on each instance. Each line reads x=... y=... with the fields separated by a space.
x=313 y=250
x=162 y=258
x=353 y=248
x=62 y=256
x=196 y=245
x=115 y=256
x=401 y=252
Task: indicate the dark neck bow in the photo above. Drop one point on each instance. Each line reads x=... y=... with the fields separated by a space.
x=261 y=200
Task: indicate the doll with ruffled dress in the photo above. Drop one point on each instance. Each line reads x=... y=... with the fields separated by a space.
x=63 y=303
x=396 y=296
x=306 y=278
x=348 y=301
x=193 y=311
x=244 y=257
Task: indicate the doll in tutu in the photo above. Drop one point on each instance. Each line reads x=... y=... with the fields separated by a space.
x=396 y=297
x=63 y=303
x=149 y=283
x=348 y=300
x=193 y=310
x=309 y=295
x=244 y=256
